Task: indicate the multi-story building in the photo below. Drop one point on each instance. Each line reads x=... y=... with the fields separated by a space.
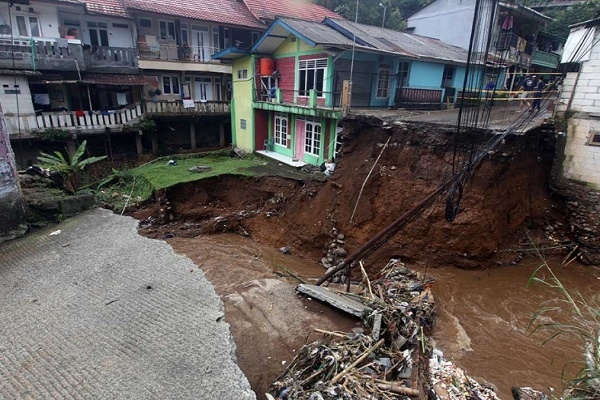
x=516 y=44
x=90 y=68
x=294 y=86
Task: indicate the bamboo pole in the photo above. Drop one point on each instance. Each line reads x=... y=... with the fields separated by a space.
x=358 y=361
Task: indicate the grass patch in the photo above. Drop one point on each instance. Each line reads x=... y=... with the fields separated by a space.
x=160 y=175
x=140 y=183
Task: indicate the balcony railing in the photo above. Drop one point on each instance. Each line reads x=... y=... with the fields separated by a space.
x=407 y=97
x=73 y=120
x=302 y=98
x=40 y=53
x=191 y=107
x=175 y=52
x=99 y=57
x=545 y=59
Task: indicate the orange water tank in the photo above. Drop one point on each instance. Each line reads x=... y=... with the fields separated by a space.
x=267 y=66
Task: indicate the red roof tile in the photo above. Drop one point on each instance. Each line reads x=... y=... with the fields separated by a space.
x=107 y=7
x=230 y=12
x=304 y=10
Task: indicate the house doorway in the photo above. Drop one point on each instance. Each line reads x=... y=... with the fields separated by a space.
x=203 y=89
x=300 y=139
x=201 y=43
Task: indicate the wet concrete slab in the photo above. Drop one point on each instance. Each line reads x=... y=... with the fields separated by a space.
x=337 y=300
x=97 y=311
x=505 y=116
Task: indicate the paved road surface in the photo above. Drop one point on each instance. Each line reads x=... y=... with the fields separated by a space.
x=99 y=312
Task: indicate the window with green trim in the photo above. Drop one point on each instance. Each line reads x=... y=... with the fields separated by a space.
x=312 y=143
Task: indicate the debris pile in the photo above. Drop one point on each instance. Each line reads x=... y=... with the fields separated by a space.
x=374 y=362
x=448 y=382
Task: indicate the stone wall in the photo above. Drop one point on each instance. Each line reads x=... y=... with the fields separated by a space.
x=581 y=156
x=12 y=209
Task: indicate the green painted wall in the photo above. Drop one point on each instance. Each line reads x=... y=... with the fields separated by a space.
x=242 y=101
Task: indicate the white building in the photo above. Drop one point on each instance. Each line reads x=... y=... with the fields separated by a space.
x=580 y=99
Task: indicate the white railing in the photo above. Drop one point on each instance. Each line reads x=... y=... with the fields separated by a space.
x=73 y=120
x=177 y=107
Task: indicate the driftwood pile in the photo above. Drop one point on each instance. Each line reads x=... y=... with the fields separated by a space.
x=377 y=361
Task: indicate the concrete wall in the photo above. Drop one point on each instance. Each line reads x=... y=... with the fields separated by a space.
x=117 y=36
x=425 y=75
x=9 y=100
x=587 y=86
x=242 y=105
x=448 y=20
x=582 y=91
x=582 y=160
x=46 y=14
x=12 y=211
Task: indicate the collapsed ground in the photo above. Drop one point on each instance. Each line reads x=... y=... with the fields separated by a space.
x=508 y=196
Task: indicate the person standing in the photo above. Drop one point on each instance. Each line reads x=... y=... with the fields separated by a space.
x=526 y=89
x=539 y=92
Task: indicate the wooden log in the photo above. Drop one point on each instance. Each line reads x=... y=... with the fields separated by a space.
x=394 y=388
x=358 y=361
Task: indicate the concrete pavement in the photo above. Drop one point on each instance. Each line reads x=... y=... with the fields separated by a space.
x=99 y=312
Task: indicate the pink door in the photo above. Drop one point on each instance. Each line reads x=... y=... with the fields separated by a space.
x=300 y=139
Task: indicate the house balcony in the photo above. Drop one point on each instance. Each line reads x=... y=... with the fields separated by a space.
x=174 y=57
x=512 y=49
x=79 y=122
x=309 y=103
x=545 y=59
x=101 y=59
x=41 y=53
x=178 y=108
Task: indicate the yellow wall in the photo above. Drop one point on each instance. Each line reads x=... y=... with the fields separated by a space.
x=242 y=100
x=289 y=48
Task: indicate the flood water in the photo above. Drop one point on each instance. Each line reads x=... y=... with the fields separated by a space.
x=483 y=317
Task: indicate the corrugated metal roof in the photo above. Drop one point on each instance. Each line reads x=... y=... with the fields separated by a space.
x=317 y=32
x=403 y=43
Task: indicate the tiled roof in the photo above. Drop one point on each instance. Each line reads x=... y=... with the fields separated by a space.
x=107 y=7
x=304 y=10
x=231 y=12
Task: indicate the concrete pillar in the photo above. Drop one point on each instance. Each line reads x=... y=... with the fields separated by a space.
x=193 y=134
x=222 y=134
x=12 y=206
x=154 y=138
x=138 y=143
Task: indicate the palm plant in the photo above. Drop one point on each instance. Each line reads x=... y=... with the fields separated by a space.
x=69 y=169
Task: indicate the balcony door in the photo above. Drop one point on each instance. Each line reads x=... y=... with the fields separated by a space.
x=201 y=43
x=98 y=33
x=203 y=89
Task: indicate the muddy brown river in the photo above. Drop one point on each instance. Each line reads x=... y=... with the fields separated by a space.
x=483 y=318
x=482 y=321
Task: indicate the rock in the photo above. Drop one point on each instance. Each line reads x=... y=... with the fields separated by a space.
x=325 y=263
x=285 y=250
x=340 y=251
x=341 y=236
x=393 y=168
x=115 y=195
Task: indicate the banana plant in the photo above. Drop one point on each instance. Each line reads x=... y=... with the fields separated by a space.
x=69 y=169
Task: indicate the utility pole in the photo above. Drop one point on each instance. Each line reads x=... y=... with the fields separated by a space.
x=384 y=10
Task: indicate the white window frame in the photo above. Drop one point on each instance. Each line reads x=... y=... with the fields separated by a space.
x=27 y=21
x=173 y=89
x=281 y=126
x=312 y=67
x=383 y=85
x=312 y=144
x=215 y=39
x=166 y=24
x=242 y=73
x=243 y=123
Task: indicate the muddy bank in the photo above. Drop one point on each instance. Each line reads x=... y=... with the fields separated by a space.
x=507 y=196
